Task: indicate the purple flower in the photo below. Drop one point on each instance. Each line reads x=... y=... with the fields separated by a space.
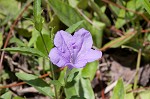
x=73 y=51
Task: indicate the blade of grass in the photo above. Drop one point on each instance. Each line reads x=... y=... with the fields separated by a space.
x=137 y=68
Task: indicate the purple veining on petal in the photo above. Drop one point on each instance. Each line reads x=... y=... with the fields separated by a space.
x=74 y=51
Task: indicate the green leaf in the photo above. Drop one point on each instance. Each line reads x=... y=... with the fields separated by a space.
x=1 y=40
x=145 y=94
x=34 y=37
x=54 y=24
x=56 y=82
x=25 y=50
x=146 y=5
x=72 y=87
x=66 y=14
x=89 y=70
x=37 y=83
x=131 y=5
x=118 y=92
x=17 y=97
x=62 y=75
x=121 y=19
x=73 y=74
x=124 y=16
x=78 y=87
x=83 y=4
x=76 y=97
x=130 y=96
x=85 y=89
x=23 y=32
x=37 y=15
x=73 y=3
x=72 y=28
x=148 y=37
x=17 y=41
x=114 y=9
x=40 y=45
x=6 y=95
x=8 y=8
x=61 y=79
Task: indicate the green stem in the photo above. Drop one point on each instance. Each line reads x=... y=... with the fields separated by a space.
x=44 y=42
x=137 y=69
x=66 y=74
x=43 y=59
x=53 y=75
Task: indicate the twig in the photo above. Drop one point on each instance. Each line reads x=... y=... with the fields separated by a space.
x=145 y=31
x=12 y=85
x=10 y=32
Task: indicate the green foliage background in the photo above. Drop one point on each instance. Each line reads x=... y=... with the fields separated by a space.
x=120 y=24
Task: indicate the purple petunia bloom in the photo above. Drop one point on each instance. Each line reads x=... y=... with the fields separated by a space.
x=73 y=51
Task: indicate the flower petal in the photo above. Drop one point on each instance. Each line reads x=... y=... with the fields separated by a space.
x=90 y=55
x=58 y=58
x=63 y=42
x=80 y=64
x=62 y=37
x=93 y=55
x=82 y=41
x=84 y=36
